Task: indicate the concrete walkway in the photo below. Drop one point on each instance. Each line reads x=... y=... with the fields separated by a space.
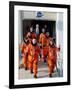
x=42 y=72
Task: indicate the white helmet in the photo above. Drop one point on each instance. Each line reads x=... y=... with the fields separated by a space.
x=37 y=25
x=34 y=41
x=31 y=29
x=45 y=26
x=43 y=30
x=47 y=34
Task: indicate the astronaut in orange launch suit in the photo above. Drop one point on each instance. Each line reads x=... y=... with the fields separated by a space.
x=31 y=33
x=34 y=51
x=25 y=53
x=52 y=57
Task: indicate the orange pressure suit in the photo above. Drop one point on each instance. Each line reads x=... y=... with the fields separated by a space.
x=24 y=48
x=52 y=57
x=44 y=52
x=45 y=48
x=31 y=34
x=33 y=58
x=44 y=43
x=42 y=39
x=25 y=57
x=48 y=39
x=21 y=46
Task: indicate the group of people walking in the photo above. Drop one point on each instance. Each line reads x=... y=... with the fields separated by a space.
x=37 y=47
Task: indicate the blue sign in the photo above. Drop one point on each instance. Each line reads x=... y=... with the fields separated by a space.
x=39 y=14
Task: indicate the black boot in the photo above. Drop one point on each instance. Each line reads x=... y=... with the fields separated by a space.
x=25 y=68
x=19 y=67
x=50 y=75
x=31 y=71
x=45 y=61
x=35 y=76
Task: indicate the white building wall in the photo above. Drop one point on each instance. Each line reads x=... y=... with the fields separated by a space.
x=59 y=30
x=19 y=27
x=59 y=40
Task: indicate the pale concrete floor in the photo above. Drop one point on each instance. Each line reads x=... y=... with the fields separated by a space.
x=42 y=72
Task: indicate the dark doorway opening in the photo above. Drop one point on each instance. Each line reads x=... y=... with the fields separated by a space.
x=51 y=26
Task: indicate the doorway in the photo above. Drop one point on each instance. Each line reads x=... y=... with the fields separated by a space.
x=51 y=26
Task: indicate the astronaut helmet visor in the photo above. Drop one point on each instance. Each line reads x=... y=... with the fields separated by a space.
x=37 y=25
x=51 y=42
x=45 y=26
x=31 y=29
x=43 y=30
x=47 y=34
x=29 y=34
x=34 y=41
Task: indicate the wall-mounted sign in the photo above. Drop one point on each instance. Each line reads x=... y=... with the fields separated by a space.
x=39 y=14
